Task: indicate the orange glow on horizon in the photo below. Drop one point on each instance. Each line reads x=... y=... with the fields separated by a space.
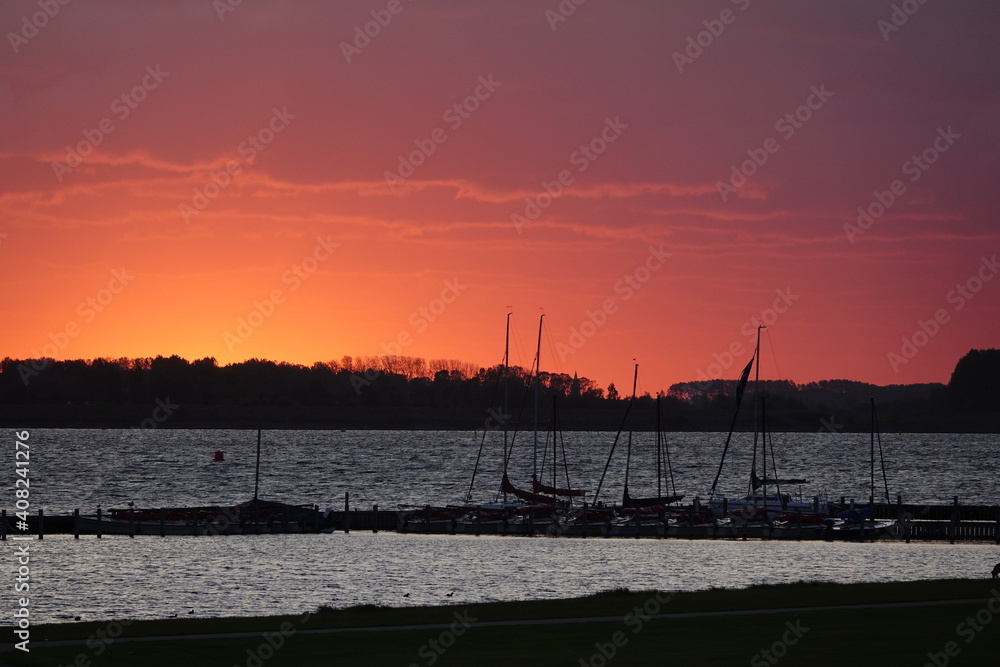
x=218 y=188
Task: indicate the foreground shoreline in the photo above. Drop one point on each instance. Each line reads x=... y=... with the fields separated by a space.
x=906 y=621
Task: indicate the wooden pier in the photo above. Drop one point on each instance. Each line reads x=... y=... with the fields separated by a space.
x=939 y=522
x=220 y=523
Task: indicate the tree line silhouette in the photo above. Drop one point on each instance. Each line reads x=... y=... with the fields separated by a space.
x=446 y=387
x=388 y=380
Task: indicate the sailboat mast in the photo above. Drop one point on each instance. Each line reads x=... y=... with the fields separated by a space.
x=538 y=370
x=506 y=366
x=756 y=408
x=555 y=431
x=256 y=475
x=871 y=498
x=659 y=451
x=666 y=454
x=763 y=445
x=628 y=454
x=881 y=456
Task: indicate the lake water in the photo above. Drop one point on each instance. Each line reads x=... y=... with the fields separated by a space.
x=80 y=468
x=153 y=577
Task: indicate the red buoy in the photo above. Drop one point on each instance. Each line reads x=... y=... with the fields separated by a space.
x=219 y=456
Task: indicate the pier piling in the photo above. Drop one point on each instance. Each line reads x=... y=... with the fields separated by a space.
x=347 y=512
x=954 y=522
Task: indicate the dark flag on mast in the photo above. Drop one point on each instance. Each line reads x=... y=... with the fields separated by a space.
x=741 y=387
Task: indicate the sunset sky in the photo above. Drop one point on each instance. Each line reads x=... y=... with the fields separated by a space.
x=266 y=180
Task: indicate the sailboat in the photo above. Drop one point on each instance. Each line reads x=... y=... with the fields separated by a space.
x=758 y=505
x=456 y=518
x=544 y=499
x=500 y=506
x=252 y=516
x=652 y=505
x=862 y=520
x=539 y=504
x=663 y=469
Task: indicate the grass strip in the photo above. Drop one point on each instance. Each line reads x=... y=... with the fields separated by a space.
x=899 y=635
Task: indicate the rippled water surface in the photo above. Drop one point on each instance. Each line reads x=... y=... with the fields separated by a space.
x=151 y=577
x=73 y=468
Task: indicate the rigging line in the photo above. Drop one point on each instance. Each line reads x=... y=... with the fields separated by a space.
x=878 y=435
x=555 y=425
x=774 y=357
x=729 y=437
x=516 y=337
x=612 y=452
x=774 y=467
x=517 y=425
x=670 y=467
x=562 y=443
x=545 y=451
x=556 y=360
x=482 y=443
x=659 y=451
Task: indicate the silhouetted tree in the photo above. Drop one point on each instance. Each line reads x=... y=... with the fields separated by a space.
x=975 y=382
